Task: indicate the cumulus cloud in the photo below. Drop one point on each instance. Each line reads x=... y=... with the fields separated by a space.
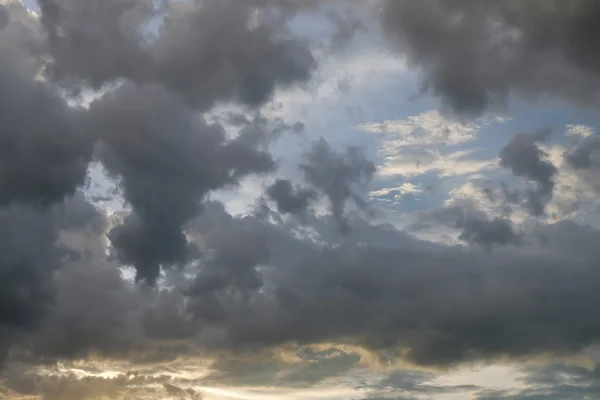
x=523 y=156
x=205 y=51
x=289 y=199
x=339 y=176
x=168 y=159
x=307 y=298
x=474 y=55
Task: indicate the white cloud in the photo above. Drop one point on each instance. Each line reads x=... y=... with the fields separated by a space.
x=412 y=147
x=579 y=130
x=427 y=129
x=416 y=163
x=573 y=197
x=399 y=192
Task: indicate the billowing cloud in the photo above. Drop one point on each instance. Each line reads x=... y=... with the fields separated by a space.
x=206 y=51
x=523 y=156
x=289 y=199
x=168 y=160
x=176 y=295
x=475 y=55
x=338 y=175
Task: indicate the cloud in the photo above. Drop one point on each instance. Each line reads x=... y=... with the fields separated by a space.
x=474 y=55
x=286 y=305
x=551 y=382
x=526 y=159
x=405 y=189
x=579 y=130
x=422 y=161
x=4 y=17
x=167 y=160
x=204 y=51
x=417 y=145
x=44 y=152
x=33 y=250
x=427 y=129
x=289 y=199
x=473 y=224
x=338 y=176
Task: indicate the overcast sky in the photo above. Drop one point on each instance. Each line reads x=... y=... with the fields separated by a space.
x=299 y=199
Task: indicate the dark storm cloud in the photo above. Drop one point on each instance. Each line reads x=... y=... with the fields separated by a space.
x=206 y=51
x=96 y=42
x=290 y=199
x=44 y=155
x=31 y=254
x=474 y=225
x=43 y=152
x=523 y=156
x=167 y=159
x=261 y=285
x=339 y=176
x=475 y=54
x=442 y=305
x=486 y=232
x=249 y=284
x=216 y=51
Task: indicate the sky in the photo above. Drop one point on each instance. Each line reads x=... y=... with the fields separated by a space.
x=299 y=199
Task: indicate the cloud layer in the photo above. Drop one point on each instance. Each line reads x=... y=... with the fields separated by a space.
x=177 y=102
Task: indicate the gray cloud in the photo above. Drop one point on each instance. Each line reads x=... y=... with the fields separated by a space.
x=32 y=253
x=487 y=232
x=241 y=285
x=290 y=200
x=475 y=54
x=44 y=154
x=474 y=225
x=553 y=382
x=261 y=284
x=4 y=17
x=167 y=160
x=339 y=176
x=206 y=51
x=584 y=154
x=526 y=159
x=444 y=304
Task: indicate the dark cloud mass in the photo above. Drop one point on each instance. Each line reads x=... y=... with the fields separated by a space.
x=206 y=51
x=523 y=156
x=338 y=176
x=475 y=54
x=167 y=159
x=184 y=114
x=43 y=152
x=289 y=199
x=473 y=225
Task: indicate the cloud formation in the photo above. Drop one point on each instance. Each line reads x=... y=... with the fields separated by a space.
x=176 y=102
x=523 y=156
x=475 y=55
